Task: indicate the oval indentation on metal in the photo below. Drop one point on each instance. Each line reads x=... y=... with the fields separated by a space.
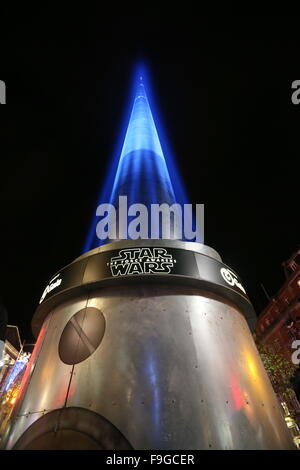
x=81 y=336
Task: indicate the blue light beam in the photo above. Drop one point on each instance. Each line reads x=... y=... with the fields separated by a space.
x=143 y=174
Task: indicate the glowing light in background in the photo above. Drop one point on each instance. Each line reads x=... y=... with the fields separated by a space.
x=16 y=370
x=30 y=365
x=146 y=173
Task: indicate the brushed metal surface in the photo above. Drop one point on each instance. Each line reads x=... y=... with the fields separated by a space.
x=182 y=373
x=177 y=368
x=47 y=386
x=17 y=427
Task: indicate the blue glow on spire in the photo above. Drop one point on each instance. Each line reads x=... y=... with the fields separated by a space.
x=142 y=173
x=142 y=160
x=141 y=132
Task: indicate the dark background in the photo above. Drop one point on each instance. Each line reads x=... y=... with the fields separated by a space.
x=223 y=89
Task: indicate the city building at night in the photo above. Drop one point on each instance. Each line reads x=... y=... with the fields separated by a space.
x=279 y=324
x=13 y=366
x=278 y=328
x=12 y=348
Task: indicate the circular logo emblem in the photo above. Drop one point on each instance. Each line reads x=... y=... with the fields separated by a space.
x=81 y=336
x=231 y=279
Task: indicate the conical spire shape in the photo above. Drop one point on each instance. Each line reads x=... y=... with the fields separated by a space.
x=141 y=132
x=142 y=173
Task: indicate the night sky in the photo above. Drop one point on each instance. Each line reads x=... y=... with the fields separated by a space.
x=224 y=95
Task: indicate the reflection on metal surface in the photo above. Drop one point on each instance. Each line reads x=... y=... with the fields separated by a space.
x=236 y=392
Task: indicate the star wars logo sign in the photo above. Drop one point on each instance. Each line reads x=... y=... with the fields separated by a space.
x=141 y=261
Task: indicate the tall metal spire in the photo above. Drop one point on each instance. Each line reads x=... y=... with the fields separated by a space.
x=142 y=173
x=141 y=132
